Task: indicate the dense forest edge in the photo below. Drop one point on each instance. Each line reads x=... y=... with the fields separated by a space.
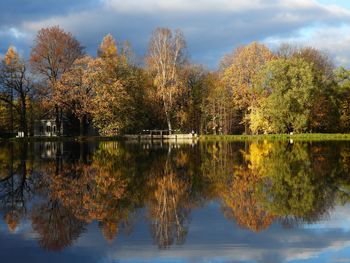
x=288 y=93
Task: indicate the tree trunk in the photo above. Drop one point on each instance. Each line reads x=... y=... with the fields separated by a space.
x=11 y=113
x=81 y=126
x=24 y=128
x=58 y=121
x=24 y=155
x=169 y=123
x=246 y=128
x=167 y=115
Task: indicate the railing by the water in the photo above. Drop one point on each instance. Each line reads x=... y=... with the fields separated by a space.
x=161 y=135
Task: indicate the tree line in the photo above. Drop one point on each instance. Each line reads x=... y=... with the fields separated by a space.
x=254 y=91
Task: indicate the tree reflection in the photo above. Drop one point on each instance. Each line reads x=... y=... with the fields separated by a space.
x=298 y=190
x=294 y=183
x=169 y=202
x=17 y=186
x=242 y=194
x=257 y=183
x=96 y=191
x=55 y=225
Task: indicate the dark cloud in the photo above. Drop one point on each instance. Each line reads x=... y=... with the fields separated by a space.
x=14 y=12
x=211 y=30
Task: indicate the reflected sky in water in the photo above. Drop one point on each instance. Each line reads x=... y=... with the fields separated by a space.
x=200 y=202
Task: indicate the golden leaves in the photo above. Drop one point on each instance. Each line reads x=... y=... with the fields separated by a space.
x=11 y=57
x=245 y=63
x=108 y=48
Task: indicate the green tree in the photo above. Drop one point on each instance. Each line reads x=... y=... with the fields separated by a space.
x=324 y=114
x=288 y=87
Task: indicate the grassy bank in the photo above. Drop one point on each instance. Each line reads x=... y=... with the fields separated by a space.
x=279 y=137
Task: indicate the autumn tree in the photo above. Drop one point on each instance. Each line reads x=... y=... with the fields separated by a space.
x=74 y=91
x=166 y=56
x=139 y=88
x=245 y=64
x=189 y=114
x=218 y=111
x=5 y=118
x=53 y=54
x=16 y=84
x=108 y=48
x=343 y=90
x=113 y=110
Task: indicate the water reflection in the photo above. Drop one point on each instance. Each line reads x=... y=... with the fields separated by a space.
x=64 y=188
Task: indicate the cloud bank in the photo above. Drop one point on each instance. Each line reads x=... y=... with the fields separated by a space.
x=212 y=28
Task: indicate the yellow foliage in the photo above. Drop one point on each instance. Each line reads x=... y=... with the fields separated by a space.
x=11 y=57
x=246 y=62
x=108 y=47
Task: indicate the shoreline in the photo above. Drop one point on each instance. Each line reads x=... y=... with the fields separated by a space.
x=280 y=137
x=203 y=138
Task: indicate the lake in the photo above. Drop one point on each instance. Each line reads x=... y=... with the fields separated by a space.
x=108 y=201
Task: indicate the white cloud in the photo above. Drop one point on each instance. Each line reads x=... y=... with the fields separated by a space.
x=155 y=6
x=13 y=33
x=334 y=40
x=199 y=6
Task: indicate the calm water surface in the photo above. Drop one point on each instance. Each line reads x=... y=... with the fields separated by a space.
x=202 y=202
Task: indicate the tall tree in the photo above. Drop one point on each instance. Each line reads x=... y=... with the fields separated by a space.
x=108 y=48
x=74 y=91
x=246 y=62
x=189 y=113
x=166 y=56
x=113 y=111
x=217 y=107
x=343 y=84
x=16 y=84
x=138 y=87
x=53 y=54
x=324 y=114
x=288 y=87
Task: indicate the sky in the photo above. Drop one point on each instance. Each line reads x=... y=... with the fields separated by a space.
x=212 y=27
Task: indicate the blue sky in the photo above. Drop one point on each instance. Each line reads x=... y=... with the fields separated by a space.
x=212 y=27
